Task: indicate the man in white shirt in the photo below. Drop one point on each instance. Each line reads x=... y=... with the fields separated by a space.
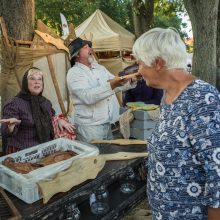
x=92 y=88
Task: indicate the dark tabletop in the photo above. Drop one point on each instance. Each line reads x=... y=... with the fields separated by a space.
x=110 y=169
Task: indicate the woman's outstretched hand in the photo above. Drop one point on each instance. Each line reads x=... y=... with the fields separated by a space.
x=12 y=122
x=66 y=125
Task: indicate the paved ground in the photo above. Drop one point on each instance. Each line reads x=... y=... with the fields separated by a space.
x=140 y=212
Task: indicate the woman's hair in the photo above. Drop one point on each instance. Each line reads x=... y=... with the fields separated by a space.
x=163 y=43
x=34 y=70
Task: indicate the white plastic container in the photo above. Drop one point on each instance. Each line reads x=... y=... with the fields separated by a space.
x=24 y=186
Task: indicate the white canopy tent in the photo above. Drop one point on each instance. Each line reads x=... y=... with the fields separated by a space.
x=107 y=35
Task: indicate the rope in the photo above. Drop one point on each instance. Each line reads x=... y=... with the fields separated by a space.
x=127 y=117
x=124 y=121
x=9 y=57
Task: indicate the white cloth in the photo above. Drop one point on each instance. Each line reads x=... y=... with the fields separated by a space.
x=88 y=133
x=92 y=94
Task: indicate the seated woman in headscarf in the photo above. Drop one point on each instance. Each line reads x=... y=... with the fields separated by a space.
x=27 y=117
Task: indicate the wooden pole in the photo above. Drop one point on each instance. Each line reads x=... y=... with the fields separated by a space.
x=4 y=30
x=13 y=209
x=24 y=42
x=67 y=91
x=53 y=76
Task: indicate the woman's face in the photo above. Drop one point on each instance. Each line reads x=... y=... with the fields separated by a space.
x=147 y=72
x=35 y=83
x=150 y=74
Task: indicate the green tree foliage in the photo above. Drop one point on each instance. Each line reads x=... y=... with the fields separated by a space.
x=167 y=13
x=119 y=10
x=76 y=11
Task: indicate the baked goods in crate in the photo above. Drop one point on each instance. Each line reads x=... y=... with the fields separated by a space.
x=56 y=157
x=20 y=167
x=24 y=186
x=26 y=167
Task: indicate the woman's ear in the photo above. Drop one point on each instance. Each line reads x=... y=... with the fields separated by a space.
x=159 y=64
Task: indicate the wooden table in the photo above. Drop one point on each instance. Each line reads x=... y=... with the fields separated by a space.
x=119 y=202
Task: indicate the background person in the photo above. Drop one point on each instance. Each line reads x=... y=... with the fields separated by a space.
x=27 y=117
x=92 y=88
x=143 y=93
x=184 y=148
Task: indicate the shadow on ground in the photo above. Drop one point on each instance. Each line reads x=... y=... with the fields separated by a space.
x=140 y=212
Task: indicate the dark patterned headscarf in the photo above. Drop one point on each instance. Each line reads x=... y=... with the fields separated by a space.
x=41 y=116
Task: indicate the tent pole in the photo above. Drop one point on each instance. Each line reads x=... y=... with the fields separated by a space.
x=121 y=54
x=68 y=110
x=53 y=76
x=94 y=54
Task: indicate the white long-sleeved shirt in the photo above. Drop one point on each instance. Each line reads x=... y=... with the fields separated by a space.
x=92 y=94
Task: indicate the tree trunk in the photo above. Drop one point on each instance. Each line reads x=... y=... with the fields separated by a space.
x=218 y=49
x=19 y=18
x=142 y=16
x=203 y=16
x=147 y=18
x=137 y=25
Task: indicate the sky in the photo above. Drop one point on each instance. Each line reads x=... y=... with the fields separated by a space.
x=189 y=27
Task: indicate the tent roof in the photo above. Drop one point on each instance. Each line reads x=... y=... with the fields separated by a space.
x=106 y=34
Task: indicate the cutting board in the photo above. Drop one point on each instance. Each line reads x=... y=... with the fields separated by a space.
x=80 y=171
x=120 y=141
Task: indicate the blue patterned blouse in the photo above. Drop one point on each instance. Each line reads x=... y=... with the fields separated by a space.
x=184 y=159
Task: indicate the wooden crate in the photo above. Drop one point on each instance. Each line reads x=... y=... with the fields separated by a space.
x=7 y=209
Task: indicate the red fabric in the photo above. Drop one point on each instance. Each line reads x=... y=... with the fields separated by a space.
x=58 y=133
x=10 y=150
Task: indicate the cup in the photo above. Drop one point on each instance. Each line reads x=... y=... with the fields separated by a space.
x=72 y=212
x=99 y=202
x=128 y=181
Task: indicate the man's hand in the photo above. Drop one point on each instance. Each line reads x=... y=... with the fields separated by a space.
x=136 y=77
x=117 y=82
x=11 y=123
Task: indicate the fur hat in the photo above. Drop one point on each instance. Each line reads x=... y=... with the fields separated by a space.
x=76 y=45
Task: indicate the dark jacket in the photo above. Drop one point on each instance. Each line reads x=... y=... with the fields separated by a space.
x=143 y=93
x=25 y=134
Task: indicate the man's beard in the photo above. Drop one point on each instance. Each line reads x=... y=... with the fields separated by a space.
x=91 y=59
